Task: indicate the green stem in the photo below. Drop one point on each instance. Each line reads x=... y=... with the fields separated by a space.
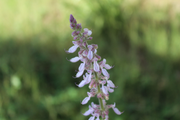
x=100 y=99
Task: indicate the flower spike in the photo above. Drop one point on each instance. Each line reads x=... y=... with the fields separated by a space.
x=96 y=74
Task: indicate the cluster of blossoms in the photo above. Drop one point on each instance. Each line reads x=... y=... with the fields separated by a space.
x=96 y=72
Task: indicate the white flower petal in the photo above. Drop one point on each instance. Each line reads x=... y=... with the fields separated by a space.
x=104 y=90
x=110 y=83
x=111 y=90
x=73 y=49
x=79 y=73
x=75 y=59
x=89 y=32
x=91 y=118
x=88 y=80
x=81 y=67
x=85 y=29
x=96 y=66
x=90 y=55
x=106 y=117
x=88 y=112
x=103 y=62
x=107 y=66
x=95 y=51
x=105 y=73
x=97 y=117
x=82 y=83
x=117 y=111
x=86 y=99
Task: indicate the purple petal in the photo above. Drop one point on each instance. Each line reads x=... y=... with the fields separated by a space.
x=90 y=47
x=97 y=118
x=85 y=52
x=96 y=66
x=107 y=66
x=110 y=83
x=79 y=73
x=106 y=118
x=98 y=57
x=103 y=62
x=92 y=118
x=105 y=73
x=75 y=42
x=78 y=26
x=74 y=21
x=75 y=59
x=104 y=90
x=95 y=51
x=95 y=46
x=88 y=78
x=85 y=30
x=93 y=105
x=81 y=67
x=71 y=18
x=102 y=82
x=111 y=90
x=90 y=38
x=86 y=99
x=82 y=83
x=73 y=33
x=104 y=102
x=90 y=55
x=89 y=32
x=76 y=37
x=88 y=112
x=72 y=26
x=117 y=111
x=72 y=49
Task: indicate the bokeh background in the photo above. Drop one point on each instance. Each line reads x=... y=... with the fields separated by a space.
x=141 y=38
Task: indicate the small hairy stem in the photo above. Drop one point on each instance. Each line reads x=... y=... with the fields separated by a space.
x=99 y=90
x=100 y=100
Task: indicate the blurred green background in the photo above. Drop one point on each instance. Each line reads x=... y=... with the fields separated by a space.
x=141 y=38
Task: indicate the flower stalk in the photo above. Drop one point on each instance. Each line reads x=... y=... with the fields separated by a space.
x=96 y=72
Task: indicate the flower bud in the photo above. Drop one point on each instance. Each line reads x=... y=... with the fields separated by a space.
x=76 y=37
x=89 y=38
x=74 y=21
x=73 y=33
x=78 y=26
x=71 y=19
x=72 y=26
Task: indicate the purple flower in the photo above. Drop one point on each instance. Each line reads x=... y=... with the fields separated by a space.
x=75 y=59
x=103 y=64
x=90 y=55
x=96 y=66
x=116 y=110
x=87 y=32
x=78 y=26
x=96 y=74
x=105 y=73
x=72 y=25
x=86 y=80
x=86 y=99
x=71 y=19
x=81 y=69
x=96 y=111
x=90 y=111
x=73 y=49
